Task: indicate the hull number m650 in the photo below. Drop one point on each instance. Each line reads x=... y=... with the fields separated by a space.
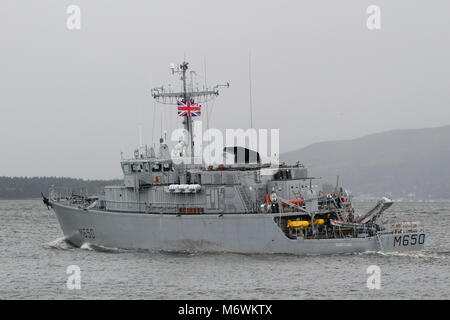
x=87 y=233
x=409 y=240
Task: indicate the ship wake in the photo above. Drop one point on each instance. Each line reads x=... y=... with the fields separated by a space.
x=99 y=248
x=61 y=244
x=410 y=254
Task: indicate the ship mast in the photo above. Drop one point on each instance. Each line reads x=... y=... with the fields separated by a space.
x=191 y=96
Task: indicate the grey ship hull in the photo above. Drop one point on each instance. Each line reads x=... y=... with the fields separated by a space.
x=242 y=233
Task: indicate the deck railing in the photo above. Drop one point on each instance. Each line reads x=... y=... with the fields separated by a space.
x=403 y=227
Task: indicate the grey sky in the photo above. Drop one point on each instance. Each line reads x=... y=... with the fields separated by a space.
x=70 y=101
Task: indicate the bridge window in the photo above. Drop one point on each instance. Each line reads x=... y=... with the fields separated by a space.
x=167 y=166
x=156 y=167
x=126 y=168
x=137 y=167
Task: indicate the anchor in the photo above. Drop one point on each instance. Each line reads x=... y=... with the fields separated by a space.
x=46 y=201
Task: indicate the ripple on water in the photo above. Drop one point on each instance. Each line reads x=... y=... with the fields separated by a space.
x=35 y=256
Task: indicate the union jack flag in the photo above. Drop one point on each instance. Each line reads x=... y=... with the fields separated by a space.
x=189 y=109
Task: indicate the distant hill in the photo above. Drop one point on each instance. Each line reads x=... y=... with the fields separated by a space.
x=401 y=163
x=24 y=187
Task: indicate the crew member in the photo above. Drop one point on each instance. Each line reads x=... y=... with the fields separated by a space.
x=274 y=200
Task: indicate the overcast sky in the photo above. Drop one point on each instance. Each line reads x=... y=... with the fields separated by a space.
x=72 y=100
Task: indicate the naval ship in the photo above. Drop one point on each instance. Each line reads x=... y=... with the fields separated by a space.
x=247 y=206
